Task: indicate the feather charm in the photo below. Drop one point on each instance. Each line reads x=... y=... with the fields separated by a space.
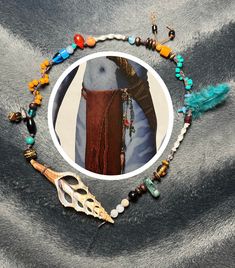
x=207 y=98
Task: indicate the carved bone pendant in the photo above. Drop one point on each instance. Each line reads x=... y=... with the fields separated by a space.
x=72 y=192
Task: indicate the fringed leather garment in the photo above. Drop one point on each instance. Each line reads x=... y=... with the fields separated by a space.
x=104 y=126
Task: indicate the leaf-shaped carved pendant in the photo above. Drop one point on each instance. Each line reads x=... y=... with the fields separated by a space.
x=72 y=192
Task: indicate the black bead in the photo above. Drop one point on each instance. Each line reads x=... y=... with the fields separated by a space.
x=31 y=126
x=133 y=196
x=154 y=28
x=171 y=34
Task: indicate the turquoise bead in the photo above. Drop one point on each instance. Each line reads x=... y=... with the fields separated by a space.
x=178 y=57
x=31 y=112
x=180 y=78
x=73 y=45
x=177 y=75
x=177 y=70
x=181 y=60
x=29 y=140
x=131 y=40
x=188 y=87
x=190 y=82
x=151 y=187
x=179 y=64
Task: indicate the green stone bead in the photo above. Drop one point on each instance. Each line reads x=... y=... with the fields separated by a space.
x=29 y=140
x=151 y=187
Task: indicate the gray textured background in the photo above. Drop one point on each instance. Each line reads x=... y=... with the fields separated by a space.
x=192 y=224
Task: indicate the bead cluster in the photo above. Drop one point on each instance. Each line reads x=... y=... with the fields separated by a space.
x=63 y=54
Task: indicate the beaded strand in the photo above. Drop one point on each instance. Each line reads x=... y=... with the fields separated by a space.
x=63 y=54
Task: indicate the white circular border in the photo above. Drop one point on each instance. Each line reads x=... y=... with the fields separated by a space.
x=170 y=119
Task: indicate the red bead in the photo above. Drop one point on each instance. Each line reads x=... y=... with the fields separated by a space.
x=79 y=40
x=188 y=119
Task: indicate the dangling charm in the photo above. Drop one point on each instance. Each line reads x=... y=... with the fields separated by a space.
x=73 y=195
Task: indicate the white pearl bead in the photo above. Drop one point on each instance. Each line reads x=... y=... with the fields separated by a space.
x=114 y=213
x=120 y=208
x=70 y=49
x=125 y=203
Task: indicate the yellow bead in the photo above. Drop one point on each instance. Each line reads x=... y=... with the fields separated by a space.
x=43 y=66
x=37 y=101
x=46 y=62
x=46 y=75
x=35 y=82
x=31 y=85
x=46 y=79
x=31 y=89
x=42 y=81
x=38 y=97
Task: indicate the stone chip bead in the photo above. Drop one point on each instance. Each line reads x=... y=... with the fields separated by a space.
x=125 y=203
x=151 y=187
x=114 y=213
x=131 y=40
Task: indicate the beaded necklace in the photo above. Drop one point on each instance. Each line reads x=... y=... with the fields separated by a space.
x=80 y=197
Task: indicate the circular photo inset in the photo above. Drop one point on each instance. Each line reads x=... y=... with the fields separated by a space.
x=110 y=115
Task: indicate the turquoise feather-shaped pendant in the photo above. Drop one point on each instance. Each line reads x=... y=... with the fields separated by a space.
x=206 y=99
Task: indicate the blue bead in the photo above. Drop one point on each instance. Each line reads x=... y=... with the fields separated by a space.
x=31 y=113
x=187 y=95
x=182 y=110
x=177 y=70
x=131 y=40
x=57 y=58
x=188 y=87
x=29 y=140
x=179 y=64
x=64 y=53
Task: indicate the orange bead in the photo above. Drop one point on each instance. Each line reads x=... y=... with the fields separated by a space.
x=35 y=82
x=46 y=75
x=31 y=85
x=37 y=101
x=46 y=62
x=165 y=51
x=31 y=89
x=90 y=41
